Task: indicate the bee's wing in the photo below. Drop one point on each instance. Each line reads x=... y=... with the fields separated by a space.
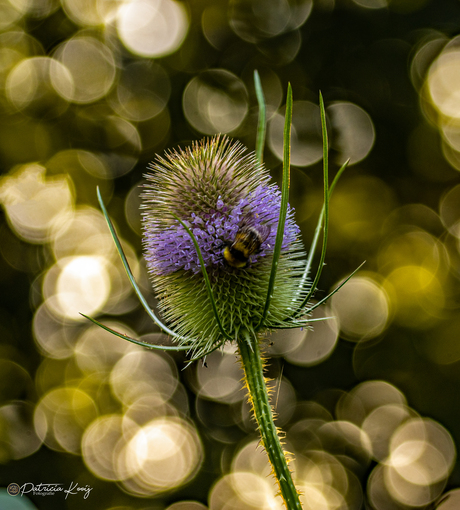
x=264 y=231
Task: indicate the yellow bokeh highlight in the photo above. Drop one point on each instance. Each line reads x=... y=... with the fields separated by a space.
x=215 y=101
x=36 y=205
x=152 y=28
x=443 y=82
x=90 y=12
x=18 y=438
x=306 y=145
x=362 y=308
x=150 y=459
x=33 y=86
x=91 y=68
x=412 y=247
x=244 y=490
x=62 y=416
x=417 y=295
x=139 y=374
x=83 y=284
x=221 y=381
x=354 y=131
x=304 y=346
x=359 y=209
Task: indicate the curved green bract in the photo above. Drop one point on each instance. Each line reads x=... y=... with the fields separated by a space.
x=135 y=340
x=318 y=230
x=304 y=280
x=325 y=211
x=319 y=303
x=124 y=260
x=206 y=279
x=283 y=206
x=324 y=217
x=136 y=289
x=303 y=324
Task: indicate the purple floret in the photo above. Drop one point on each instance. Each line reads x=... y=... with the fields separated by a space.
x=172 y=249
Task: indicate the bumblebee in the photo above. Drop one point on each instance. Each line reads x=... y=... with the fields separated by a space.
x=247 y=242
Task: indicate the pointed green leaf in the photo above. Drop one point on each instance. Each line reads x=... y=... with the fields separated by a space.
x=130 y=274
x=304 y=324
x=134 y=340
x=326 y=199
x=308 y=310
x=283 y=206
x=311 y=252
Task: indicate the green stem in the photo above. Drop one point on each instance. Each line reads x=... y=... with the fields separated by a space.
x=252 y=362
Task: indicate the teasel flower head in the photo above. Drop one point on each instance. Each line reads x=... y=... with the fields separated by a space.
x=220 y=192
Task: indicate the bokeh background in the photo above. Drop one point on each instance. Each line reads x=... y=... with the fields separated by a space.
x=90 y=90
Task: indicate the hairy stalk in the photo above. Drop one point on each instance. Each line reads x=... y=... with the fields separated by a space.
x=253 y=366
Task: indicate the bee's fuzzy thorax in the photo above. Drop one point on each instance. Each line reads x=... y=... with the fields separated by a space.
x=215 y=187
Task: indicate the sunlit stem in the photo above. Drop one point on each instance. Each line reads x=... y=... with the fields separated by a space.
x=283 y=206
x=253 y=366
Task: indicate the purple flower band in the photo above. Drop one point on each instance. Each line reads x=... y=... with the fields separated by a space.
x=172 y=248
